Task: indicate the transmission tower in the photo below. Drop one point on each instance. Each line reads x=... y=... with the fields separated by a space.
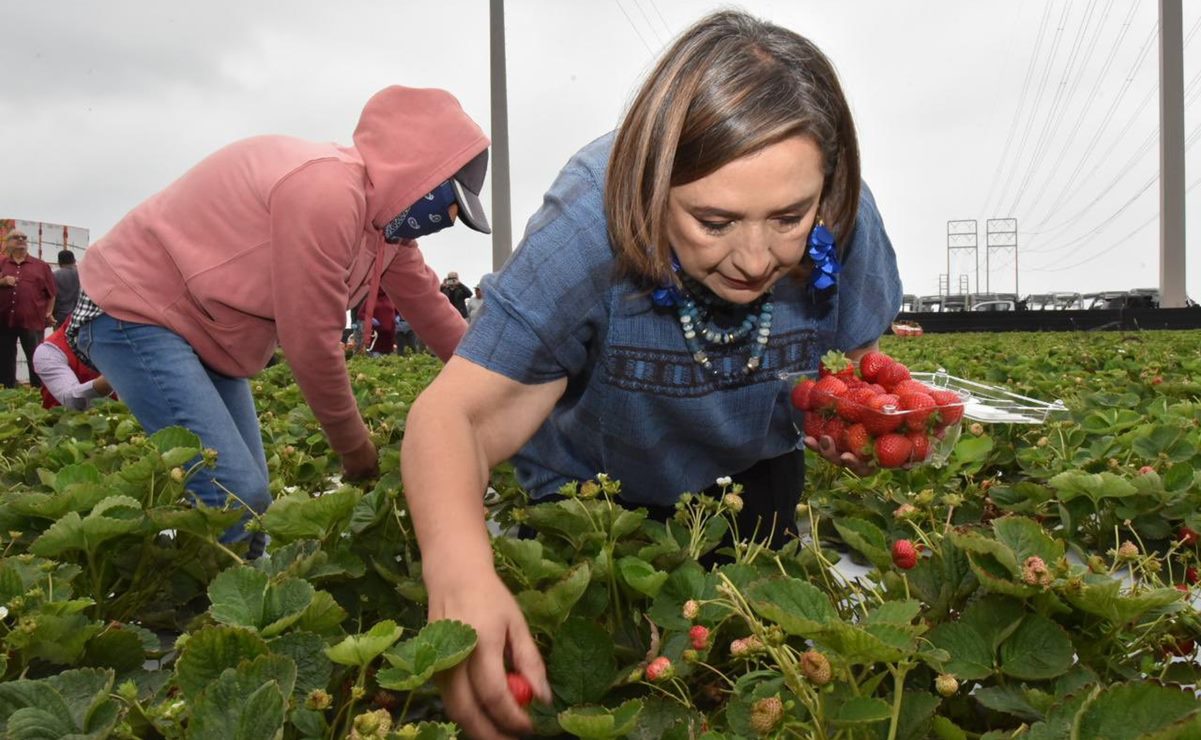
x=963 y=236
x=1001 y=235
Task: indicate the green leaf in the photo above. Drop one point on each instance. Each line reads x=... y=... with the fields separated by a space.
x=323 y=615
x=640 y=576
x=245 y=597
x=684 y=583
x=439 y=645
x=299 y=516
x=239 y=705
x=170 y=438
x=898 y=613
x=862 y=646
x=86 y=691
x=75 y=474
x=944 y=729
x=307 y=651
x=1026 y=538
x=211 y=651
x=1103 y=598
x=866 y=538
x=112 y=517
x=1039 y=649
x=994 y=618
x=1132 y=709
x=581 y=663
x=203 y=521
x=1096 y=486
x=860 y=710
x=1008 y=700
x=917 y=707
x=359 y=650
x=600 y=722
x=971 y=654
x=116 y=648
x=547 y=609
x=798 y=607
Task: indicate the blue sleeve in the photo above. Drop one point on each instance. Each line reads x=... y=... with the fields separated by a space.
x=869 y=286
x=542 y=309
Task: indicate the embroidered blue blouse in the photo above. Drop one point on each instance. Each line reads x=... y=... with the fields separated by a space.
x=637 y=406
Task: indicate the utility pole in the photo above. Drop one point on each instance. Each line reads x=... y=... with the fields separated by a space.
x=502 y=211
x=1172 y=292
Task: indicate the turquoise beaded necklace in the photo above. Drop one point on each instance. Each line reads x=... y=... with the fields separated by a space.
x=695 y=321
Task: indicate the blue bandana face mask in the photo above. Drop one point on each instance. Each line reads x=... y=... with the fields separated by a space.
x=427 y=216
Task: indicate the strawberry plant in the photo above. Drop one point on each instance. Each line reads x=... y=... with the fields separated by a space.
x=1039 y=583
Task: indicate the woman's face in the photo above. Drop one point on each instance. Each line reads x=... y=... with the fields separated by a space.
x=745 y=226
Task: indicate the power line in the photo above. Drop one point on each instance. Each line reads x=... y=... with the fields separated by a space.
x=1038 y=96
x=1017 y=112
x=1053 y=170
x=1054 y=113
x=1066 y=190
x=666 y=27
x=636 y=31
x=650 y=26
x=1119 y=243
x=1192 y=92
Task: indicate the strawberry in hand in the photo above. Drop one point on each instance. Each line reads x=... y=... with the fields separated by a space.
x=521 y=690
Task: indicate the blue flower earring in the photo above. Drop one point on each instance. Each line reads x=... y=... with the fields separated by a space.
x=824 y=254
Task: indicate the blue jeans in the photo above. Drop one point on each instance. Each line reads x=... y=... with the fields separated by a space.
x=164 y=383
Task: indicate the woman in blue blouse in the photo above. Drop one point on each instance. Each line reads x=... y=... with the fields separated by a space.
x=676 y=270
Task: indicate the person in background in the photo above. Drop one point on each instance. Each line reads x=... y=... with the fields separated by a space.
x=27 y=291
x=677 y=272
x=456 y=293
x=380 y=330
x=66 y=279
x=266 y=242
x=475 y=303
x=66 y=380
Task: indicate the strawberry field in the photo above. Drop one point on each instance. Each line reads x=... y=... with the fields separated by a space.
x=1037 y=584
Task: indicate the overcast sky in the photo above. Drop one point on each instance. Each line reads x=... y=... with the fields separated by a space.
x=1043 y=110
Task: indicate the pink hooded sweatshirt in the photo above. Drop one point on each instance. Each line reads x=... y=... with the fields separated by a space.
x=271 y=239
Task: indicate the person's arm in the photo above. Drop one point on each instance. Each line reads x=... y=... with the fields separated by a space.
x=468 y=420
x=415 y=291
x=316 y=224
x=50 y=363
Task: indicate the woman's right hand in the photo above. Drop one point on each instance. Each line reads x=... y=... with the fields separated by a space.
x=476 y=691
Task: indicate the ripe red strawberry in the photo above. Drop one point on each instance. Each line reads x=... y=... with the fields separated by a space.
x=834 y=428
x=852 y=405
x=872 y=363
x=813 y=424
x=1187 y=536
x=911 y=386
x=893 y=374
x=802 y=394
x=919 y=406
x=699 y=636
x=893 y=450
x=950 y=406
x=921 y=446
x=825 y=391
x=520 y=688
x=1190 y=575
x=876 y=418
x=857 y=440
x=837 y=364
x=904 y=554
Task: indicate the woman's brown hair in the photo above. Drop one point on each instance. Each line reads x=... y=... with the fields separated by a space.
x=728 y=87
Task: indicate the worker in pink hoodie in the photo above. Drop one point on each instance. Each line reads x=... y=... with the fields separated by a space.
x=268 y=242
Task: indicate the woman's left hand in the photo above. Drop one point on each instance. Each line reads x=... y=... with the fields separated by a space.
x=829 y=450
